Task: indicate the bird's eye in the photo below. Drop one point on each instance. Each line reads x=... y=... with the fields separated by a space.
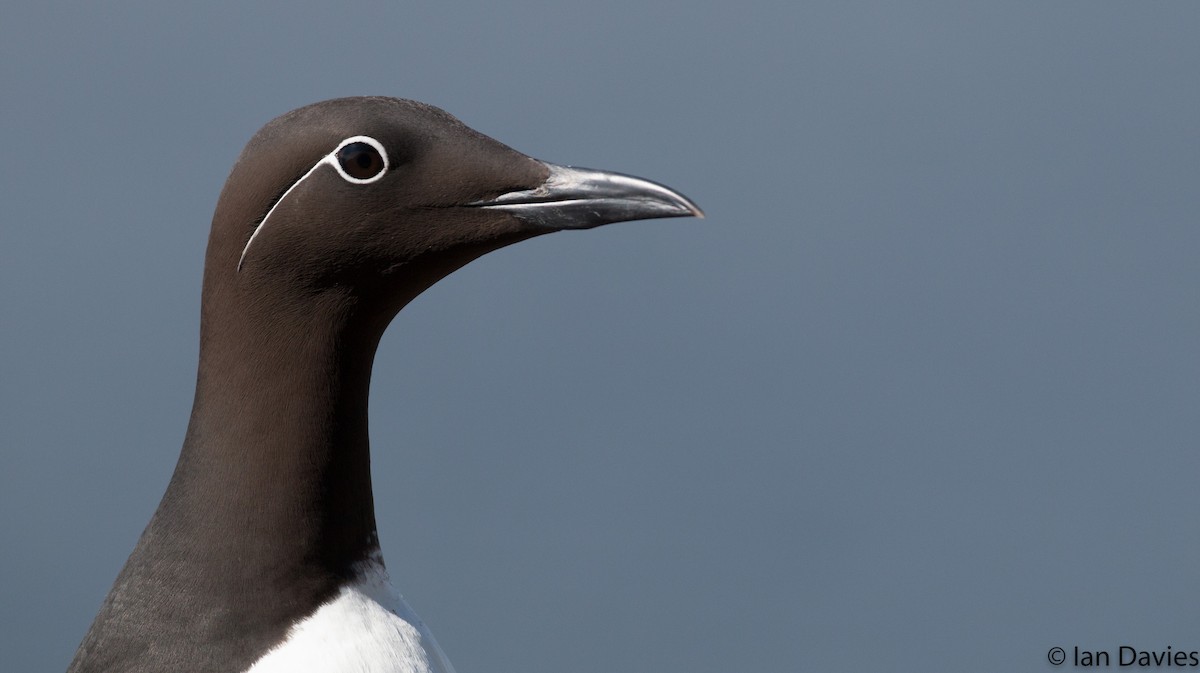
x=361 y=161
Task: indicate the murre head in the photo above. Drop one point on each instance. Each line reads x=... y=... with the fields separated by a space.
x=378 y=198
x=264 y=547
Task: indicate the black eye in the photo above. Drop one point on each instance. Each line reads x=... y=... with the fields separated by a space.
x=360 y=161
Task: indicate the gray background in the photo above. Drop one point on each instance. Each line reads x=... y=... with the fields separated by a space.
x=921 y=393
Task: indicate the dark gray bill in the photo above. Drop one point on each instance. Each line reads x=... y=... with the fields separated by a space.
x=582 y=198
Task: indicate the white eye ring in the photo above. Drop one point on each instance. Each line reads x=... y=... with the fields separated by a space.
x=332 y=160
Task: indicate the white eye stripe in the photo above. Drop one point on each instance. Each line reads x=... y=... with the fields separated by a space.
x=330 y=159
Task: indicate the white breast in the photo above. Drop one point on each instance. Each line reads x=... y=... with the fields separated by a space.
x=367 y=628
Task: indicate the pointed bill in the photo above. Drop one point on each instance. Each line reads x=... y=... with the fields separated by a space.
x=582 y=198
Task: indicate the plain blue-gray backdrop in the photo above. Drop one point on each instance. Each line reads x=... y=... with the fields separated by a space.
x=922 y=392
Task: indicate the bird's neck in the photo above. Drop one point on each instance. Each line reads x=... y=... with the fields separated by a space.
x=269 y=513
x=275 y=466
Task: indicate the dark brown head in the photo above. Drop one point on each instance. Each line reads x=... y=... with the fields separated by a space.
x=375 y=199
x=335 y=216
